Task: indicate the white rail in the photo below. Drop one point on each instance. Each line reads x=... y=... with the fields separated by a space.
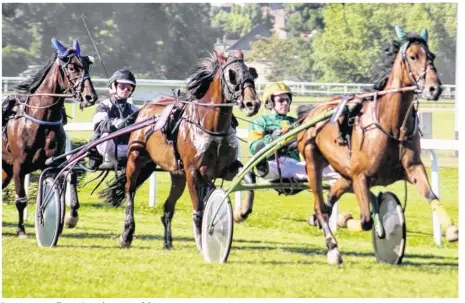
x=147 y=89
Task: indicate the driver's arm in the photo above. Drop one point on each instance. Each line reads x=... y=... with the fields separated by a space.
x=258 y=137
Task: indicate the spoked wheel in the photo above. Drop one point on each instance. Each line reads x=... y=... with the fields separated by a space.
x=49 y=213
x=390 y=248
x=217 y=227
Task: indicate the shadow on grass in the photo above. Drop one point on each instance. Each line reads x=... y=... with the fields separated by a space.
x=428 y=264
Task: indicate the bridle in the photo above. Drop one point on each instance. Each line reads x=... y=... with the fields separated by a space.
x=232 y=93
x=74 y=87
x=419 y=80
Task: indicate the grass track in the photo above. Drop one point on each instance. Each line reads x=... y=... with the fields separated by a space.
x=275 y=254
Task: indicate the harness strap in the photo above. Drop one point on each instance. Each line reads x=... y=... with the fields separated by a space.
x=42 y=122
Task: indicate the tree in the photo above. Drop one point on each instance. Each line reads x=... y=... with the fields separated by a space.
x=161 y=40
x=240 y=20
x=351 y=42
x=289 y=59
x=304 y=18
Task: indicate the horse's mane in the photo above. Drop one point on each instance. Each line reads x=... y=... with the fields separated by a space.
x=383 y=69
x=201 y=76
x=30 y=84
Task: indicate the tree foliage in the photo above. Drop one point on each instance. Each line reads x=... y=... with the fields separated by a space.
x=160 y=40
x=342 y=42
x=350 y=44
x=240 y=20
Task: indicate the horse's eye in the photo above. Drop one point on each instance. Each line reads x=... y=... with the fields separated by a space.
x=71 y=68
x=413 y=58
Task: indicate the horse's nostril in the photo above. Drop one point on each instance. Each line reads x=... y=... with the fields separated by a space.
x=432 y=89
x=248 y=104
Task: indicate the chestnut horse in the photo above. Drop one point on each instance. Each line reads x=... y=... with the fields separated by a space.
x=204 y=146
x=384 y=144
x=36 y=132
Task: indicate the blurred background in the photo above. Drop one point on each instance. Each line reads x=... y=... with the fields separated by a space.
x=319 y=49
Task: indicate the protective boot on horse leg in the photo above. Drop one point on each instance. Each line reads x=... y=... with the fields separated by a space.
x=416 y=174
x=72 y=217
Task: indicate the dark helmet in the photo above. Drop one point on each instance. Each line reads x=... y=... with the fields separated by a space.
x=123 y=76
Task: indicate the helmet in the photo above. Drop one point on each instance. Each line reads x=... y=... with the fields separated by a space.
x=123 y=76
x=272 y=89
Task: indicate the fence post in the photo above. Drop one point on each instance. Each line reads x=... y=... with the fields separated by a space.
x=27 y=180
x=435 y=187
x=333 y=217
x=5 y=86
x=153 y=189
x=238 y=194
x=68 y=148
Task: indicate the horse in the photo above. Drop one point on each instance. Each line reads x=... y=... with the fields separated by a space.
x=36 y=132
x=384 y=145
x=203 y=148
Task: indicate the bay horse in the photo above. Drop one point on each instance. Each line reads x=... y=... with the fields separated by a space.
x=204 y=147
x=384 y=144
x=36 y=132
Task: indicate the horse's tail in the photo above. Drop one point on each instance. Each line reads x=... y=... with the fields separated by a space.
x=115 y=192
x=303 y=110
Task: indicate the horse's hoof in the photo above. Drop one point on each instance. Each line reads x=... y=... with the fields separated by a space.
x=334 y=256
x=238 y=218
x=21 y=234
x=70 y=221
x=123 y=243
x=342 y=219
x=452 y=233
x=168 y=246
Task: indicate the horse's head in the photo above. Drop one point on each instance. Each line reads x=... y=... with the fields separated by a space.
x=418 y=64
x=238 y=83
x=76 y=68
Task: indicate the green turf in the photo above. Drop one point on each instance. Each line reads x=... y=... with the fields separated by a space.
x=274 y=254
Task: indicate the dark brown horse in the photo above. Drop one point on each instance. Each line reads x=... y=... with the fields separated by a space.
x=36 y=132
x=205 y=145
x=384 y=146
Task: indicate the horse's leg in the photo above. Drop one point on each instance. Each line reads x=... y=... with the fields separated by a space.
x=21 y=199
x=72 y=218
x=6 y=176
x=416 y=174
x=244 y=209
x=134 y=165
x=178 y=184
x=315 y=164
x=362 y=193
x=196 y=187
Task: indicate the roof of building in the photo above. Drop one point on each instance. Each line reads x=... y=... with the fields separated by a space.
x=244 y=42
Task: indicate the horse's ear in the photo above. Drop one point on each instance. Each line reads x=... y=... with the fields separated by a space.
x=239 y=54
x=76 y=47
x=424 y=34
x=58 y=46
x=219 y=57
x=400 y=32
x=253 y=72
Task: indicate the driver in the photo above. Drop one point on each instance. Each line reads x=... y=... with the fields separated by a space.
x=115 y=113
x=268 y=127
